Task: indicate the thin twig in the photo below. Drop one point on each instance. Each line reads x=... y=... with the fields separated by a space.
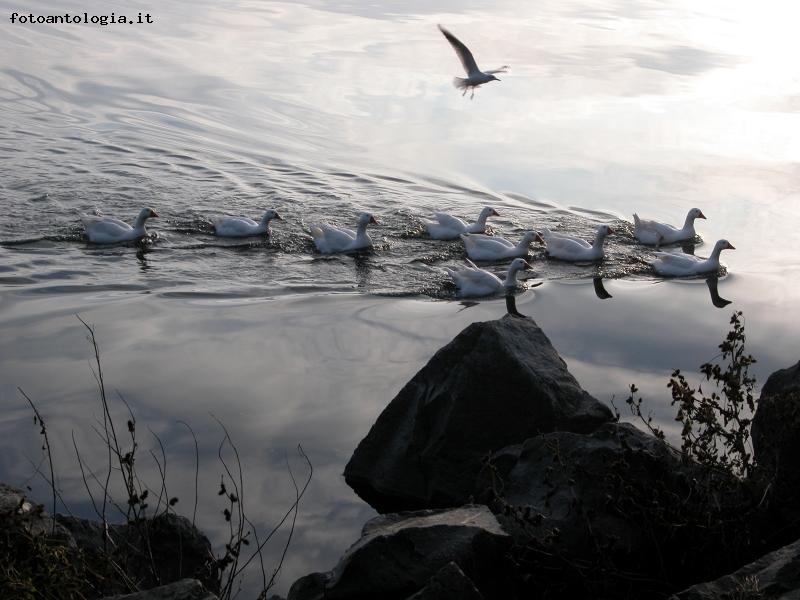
x=196 y=468
x=49 y=453
x=298 y=495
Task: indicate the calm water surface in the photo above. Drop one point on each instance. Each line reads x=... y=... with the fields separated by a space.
x=321 y=110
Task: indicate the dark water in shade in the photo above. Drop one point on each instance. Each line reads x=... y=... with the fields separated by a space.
x=322 y=110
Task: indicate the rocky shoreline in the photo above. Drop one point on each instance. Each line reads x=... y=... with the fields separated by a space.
x=497 y=476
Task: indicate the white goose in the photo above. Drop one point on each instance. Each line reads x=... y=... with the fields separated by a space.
x=329 y=239
x=244 y=227
x=576 y=249
x=672 y=264
x=107 y=230
x=655 y=233
x=448 y=227
x=473 y=282
x=484 y=247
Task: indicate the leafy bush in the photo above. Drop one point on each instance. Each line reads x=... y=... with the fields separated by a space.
x=35 y=564
x=716 y=427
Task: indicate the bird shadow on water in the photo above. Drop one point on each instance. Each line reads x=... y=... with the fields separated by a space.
x=141 y=257
x=599 y=289
x=712 y=282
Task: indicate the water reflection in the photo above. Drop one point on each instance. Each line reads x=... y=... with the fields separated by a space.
x=511 y=306
x=349 y=104
x=141 y=256
x=465 y=304
x=599 y=290
x=716 y=300
x=362 y=263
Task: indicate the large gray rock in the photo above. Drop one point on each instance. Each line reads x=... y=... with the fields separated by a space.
x=496 y=384
x=185 y=589
x=775 y=576
x=451 y=583
x=776 y=444
x=777 y=420
x=782 y=381
x=31 y=515
x=565 y=481
x=398 y=554
x=156 y=551
x=620 y=503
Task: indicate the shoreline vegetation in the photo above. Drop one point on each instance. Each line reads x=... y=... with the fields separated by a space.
x=510 y=482
x=137 y=540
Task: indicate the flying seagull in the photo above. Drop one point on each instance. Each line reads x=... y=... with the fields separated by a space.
x=475 y=77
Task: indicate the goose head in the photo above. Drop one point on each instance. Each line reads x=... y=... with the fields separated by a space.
x=695 y=213
x=530 y=236
x=723 y=245
x=604 y=230
x=271 y=214
x=144 y=214
x=518 y=264
x=366 y=218
x=487 y=212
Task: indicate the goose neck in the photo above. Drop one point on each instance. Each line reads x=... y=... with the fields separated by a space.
x=511 y=278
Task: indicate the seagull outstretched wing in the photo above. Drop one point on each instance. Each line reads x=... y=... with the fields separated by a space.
x=464 y=55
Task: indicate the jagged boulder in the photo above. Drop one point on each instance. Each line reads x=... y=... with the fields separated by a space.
x=776 y=444
x=563 y=479
x=619 y=502
x=782 y=381
x=496 y=384
x=399 y=554
x=777 y=421
x=775 y=576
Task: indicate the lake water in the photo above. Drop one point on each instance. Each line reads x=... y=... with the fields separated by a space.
x=324 y=109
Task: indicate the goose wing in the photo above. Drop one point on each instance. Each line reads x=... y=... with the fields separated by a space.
x=548 y=235
x=673 y=260
x=234 y=225
x=566 y=245
x=478 y=277
x=485 y=242
x=335 y=238
x=450 y=221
